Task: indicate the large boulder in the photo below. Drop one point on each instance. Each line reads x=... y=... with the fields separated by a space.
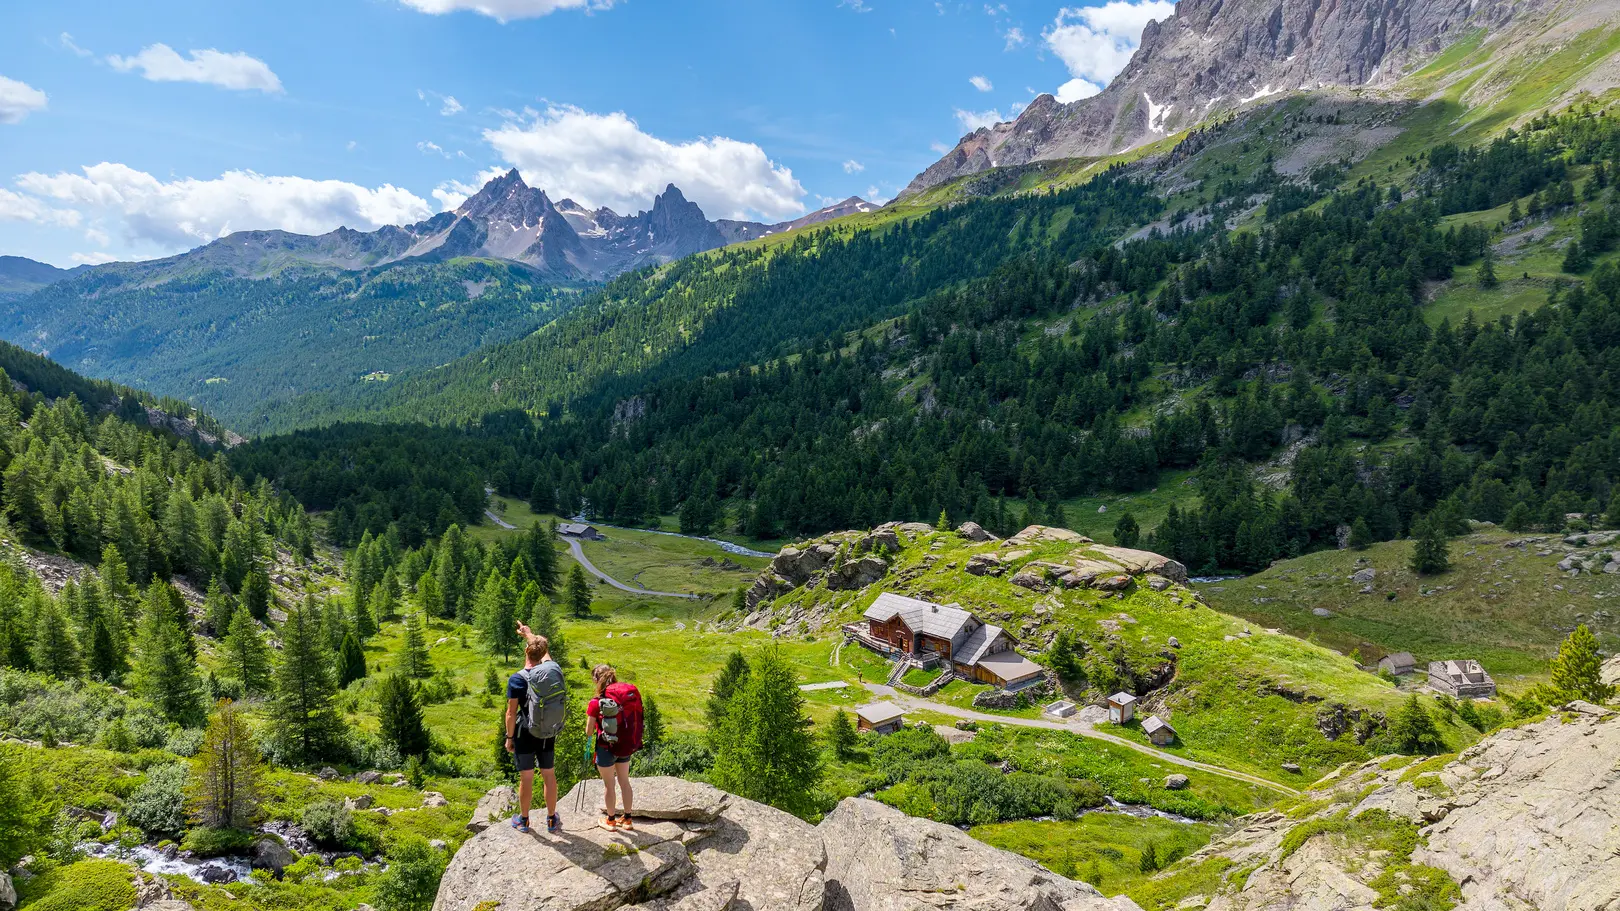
x=493 y=807
x=880 y=859
x=269 y=852
x=975 y=532
x=8 y=893
x=1137 y=562
x=694 y=848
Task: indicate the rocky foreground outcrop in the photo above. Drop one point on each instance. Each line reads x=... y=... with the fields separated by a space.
x=1528 y=818
x=696 y=848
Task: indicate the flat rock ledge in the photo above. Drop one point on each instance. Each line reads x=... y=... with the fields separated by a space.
x=696 y=848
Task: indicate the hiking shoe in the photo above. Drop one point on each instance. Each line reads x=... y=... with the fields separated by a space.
x=610 y=823
x=521 y=823
x=553 y=824
x=625 y=823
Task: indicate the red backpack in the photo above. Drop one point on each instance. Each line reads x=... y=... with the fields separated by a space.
x=630 y=715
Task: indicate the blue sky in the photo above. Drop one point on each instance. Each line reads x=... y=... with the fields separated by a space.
x=136 y=130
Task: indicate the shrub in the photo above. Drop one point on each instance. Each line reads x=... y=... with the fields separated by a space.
x=158 y=806
x=206 y=842
x=116 y=737
x=684 y=755
x=88 y=885
x=412 y=878
x=330 y=823
x=184 y=742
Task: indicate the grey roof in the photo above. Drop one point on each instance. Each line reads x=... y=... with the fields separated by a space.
x=1122 y=698
x=880 y=713
x=1010 y=666
x=976 y=647
x=1463 y=671
x=920 y=616
x=1154 y=722
x=1400 y=659
x=573 y=528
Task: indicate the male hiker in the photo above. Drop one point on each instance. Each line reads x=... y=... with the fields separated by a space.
x=536 y=709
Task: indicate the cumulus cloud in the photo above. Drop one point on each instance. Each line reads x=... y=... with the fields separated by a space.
x=981 y=83
x=161 y=63
x=506 y=10
x=973 y=120
x=448 y=105
x=16 y=207
x=853 y=167
x=607 y=160
x=452 y=193
x=1015 y=39
x=1095 y=42
x=18 y=100
x=181 y=213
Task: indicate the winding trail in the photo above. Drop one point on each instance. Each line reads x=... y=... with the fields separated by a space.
x=923 y=705
x=500 y=521
x=579 y=555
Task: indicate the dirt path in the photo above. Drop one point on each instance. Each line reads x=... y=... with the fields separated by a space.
x=924 y=705
x=579 y=555
x=500 y=521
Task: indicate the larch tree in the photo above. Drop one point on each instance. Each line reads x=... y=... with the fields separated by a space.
x=497 y=615
x=308 y=724
x=55 y=650
x=399 y=715
x=351 y=660
x=247 y=658
x=226 y=772
x=766 y=751
x=1577 y=671
x=731 y=679
x=164 y=674
x=414 y=661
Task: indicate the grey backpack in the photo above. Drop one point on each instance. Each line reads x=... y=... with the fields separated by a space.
x=545 y=711
x=609 y=708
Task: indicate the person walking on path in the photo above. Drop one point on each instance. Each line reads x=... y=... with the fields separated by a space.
x=536 y=703
x=614 y=717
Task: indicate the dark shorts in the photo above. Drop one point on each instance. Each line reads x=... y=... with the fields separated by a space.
x=605 y=759
x=533 y=754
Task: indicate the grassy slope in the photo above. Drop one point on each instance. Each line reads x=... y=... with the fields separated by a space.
x=1506 y=606
x=1215 y=700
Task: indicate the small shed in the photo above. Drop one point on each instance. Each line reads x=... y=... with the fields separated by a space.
x=1121 y=708
x=579 y=530
x=1158 y=730
x=1399 y=664
x=882 y=717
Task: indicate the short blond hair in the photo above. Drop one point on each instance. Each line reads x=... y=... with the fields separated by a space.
x=604 y=676
x=537 y=648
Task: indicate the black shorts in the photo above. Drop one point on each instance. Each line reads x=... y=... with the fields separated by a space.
x=533 y=753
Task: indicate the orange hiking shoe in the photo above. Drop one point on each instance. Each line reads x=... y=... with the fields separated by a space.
x=624 y=822
x=610 y=823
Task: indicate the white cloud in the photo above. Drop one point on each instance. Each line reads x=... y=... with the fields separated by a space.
x=350 y=146
x=94 y=259
x=1096 y=42
x=66 y=41
x=1076 y=89
x=853 y=167
x=875 y=195
x=981 y=83
x=607 y=160
x=451 y=106
x=939 y=147
x=18 y=100
x=506 y=10
x=973 y=120
x=1015 y=39
x=161 y=63
x=858 y=6
x=431 y=148
x=181 y=213
x=15 y=207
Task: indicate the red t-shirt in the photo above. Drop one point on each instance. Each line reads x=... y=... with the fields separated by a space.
x=622 y=749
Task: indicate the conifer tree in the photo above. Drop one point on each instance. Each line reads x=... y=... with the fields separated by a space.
x=841 y=735
x=55 y=650
x=247 y=658
x=224 y=783
x=308 y=725
x=766 y=751
x=497 y=615
x=256 y=593
x=731 y=679
x=116 y=589
x=24 y=817
x=414 y=661
x=351 y=660
x=16 y=638
x=1431 y=553
x=1361 y=536
x=579 y=593
x=164 y=674
x=1126 y=532
x=399 y=716
x=1487 y=270
x=218 y=609
x=1577 y=671
x=543 y=621
x=1412 y=729
x=361 y=619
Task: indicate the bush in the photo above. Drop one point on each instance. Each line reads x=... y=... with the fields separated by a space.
x=330 y=823
x=88 y=885
x=411 y=880
x=158 y=806
x=206 y=842
x=684 y=755
x=184 y=742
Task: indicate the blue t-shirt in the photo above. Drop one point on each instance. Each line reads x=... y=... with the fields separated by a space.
x=517 y=687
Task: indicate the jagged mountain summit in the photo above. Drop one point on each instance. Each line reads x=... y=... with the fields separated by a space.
x=738 y=231
x=1214 y=56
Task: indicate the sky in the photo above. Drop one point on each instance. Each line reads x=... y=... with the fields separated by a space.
x=136 y=130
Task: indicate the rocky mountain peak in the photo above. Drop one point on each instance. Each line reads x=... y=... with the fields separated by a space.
x=507 y=199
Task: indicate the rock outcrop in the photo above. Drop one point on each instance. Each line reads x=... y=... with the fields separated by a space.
x=1215 y=56
x=696 y=848
x=1525 y=819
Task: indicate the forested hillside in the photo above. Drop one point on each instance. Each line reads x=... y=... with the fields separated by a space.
x=236 y=346
x=1326 y=344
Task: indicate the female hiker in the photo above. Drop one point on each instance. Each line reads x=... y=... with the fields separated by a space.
x=615 y=718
